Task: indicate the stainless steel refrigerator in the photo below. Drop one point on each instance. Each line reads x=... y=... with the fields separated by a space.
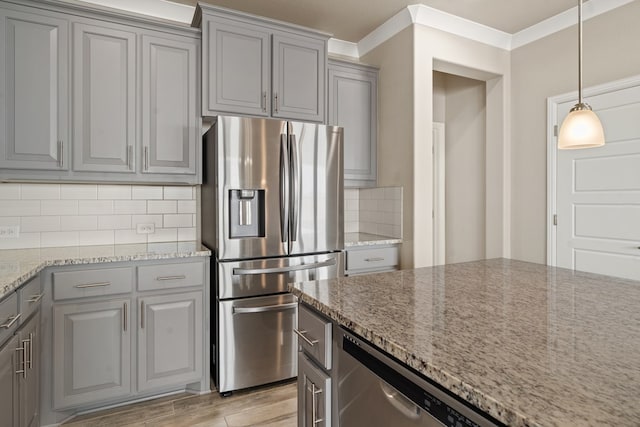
x=272 y=213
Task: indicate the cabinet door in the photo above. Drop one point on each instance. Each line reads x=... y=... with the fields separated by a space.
x=170 y=340
x=104 y=99
x=314 y=394
x=170 y=130
x=352 y=105
x=11 y=360
x=30 y=381
x=92 y=352
x=236 y=69
x=299 y=65
x=33 y=91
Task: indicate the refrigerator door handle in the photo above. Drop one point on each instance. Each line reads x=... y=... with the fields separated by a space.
x=251 y=271
x=265 y=308
x=284 y=189
x=295 y=188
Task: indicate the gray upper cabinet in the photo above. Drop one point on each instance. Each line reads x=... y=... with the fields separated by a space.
x=299 y=65
x=91 y=352
x=261 y=67
x=33 y=91
x=170 y=124
x=170 y=340
x=104 y=103
x=353 y=105
x=93 y=96
x=237 y=68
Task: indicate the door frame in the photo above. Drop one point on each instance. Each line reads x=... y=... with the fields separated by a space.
x=439 y=211
x=552 y=152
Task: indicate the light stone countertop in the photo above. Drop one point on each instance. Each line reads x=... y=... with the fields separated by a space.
x=528 y=344
x=366 y=239
x=17 y=266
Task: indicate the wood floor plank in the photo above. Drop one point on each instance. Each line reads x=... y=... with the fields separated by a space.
x=263 y=415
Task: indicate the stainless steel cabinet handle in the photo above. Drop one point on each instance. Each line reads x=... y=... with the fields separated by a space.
x=93 y=285
x=248 y=271
x=141 y=314
x=295 y=187
x=124 y=317
x=130 y=157
x=11 y=322
x=35 y=298
x=275 y=103
x=180 y=277
x=314 y=404
x=30 y=361
x=265 y=308
x=61 y=154
x=307 y=340
x=23 y=361
x=264 y=101
x=146 y=158
x=374 y=259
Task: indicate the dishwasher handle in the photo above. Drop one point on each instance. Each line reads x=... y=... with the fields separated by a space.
x=265 y=308
x=251 y=271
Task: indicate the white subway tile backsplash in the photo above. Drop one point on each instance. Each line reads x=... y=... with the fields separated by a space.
x=143 y=192
x=51 y=215
x=78 y=222
x=31 y=224
x=79 y=191
x=59 y=207
x=40 y=191
x=180 y=220
x=114 y=192
x=178 y=193
x=162 y=206
x=130 y=207
x=95 y=207
x=187 y=206
x=114 y=222
x=378 y=211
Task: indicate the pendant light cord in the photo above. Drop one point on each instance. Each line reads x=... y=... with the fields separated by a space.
x=579 y=51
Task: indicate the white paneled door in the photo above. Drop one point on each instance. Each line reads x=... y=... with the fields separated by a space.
x=598 y=192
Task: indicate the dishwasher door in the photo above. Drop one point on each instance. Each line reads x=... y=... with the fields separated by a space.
x=376 y=391
x=256 y=341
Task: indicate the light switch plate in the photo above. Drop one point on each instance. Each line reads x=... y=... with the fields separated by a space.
x=9 y=231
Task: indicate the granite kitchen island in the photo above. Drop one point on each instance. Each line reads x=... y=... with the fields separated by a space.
x=527 y=344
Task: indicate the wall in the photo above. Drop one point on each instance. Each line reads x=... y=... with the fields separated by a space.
x=465 y=193
x=396 y=148
x=548 y=67
x=51 y=215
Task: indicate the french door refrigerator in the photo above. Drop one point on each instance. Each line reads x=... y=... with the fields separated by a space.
x=272 y=213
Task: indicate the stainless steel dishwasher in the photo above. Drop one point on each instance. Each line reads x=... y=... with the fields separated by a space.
x=376 y=391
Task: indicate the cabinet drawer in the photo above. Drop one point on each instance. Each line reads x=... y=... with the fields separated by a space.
x=29 y=297
x=92 y=283
x=9 y=317
x=167 y=276
x=372 y=259
x=314 y=335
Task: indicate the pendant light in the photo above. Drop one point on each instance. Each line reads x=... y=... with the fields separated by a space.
x=581 y=128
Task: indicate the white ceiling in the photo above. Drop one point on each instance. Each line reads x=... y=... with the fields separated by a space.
x=351 y=20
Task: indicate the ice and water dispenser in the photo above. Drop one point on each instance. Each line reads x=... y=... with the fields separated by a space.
x=246 y=213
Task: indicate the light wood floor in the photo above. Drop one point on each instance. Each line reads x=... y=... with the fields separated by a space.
x=272 y=406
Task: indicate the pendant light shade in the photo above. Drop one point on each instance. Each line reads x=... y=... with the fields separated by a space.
x=581 y=128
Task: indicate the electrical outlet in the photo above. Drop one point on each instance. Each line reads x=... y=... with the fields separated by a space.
x=146 y=228
x=9 y=231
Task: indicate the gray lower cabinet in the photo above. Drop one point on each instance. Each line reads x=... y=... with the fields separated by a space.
x=91 y=352
x=104 y=98
x=352 y=99
x=33 y=79
x=314 y=394
x=261 y=67
x=10 y=362
x=371 y=259
x=170 y=340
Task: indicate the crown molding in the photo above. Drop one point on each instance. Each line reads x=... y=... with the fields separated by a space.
x=343 y=48
x=158 y=8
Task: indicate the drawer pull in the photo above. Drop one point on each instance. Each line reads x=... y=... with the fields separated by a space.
x=35 y=298
x=180 y=277
x=124 y=317
x=307 y=340
x=93 y=285
x=11 y=322
x=374 y=259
